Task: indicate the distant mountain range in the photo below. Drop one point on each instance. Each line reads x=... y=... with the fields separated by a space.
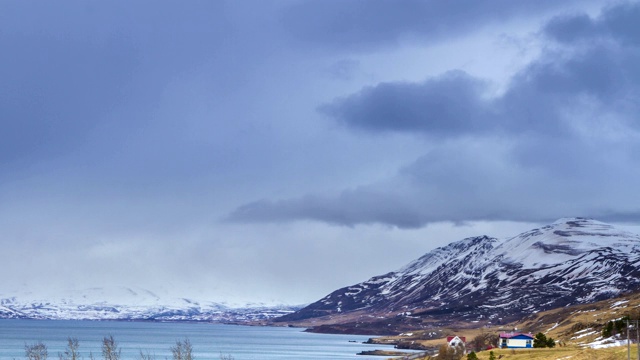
x=487 y=281
x=128 y=303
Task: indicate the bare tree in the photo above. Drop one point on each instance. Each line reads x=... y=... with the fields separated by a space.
x=447 y=352
x=226 y=357
x=110 y=349
x=37 y=351
x=484 y=341
x=182 y=350
x=71 y=352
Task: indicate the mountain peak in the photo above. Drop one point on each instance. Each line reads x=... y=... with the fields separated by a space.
x=563 y=240
x=577 y=219
x=455 y=249
x=577 y=222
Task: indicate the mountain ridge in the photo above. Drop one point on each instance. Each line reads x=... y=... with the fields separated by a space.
x=130 y=303
x=487 y=280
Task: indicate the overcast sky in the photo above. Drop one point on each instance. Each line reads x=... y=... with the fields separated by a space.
x=274 y=151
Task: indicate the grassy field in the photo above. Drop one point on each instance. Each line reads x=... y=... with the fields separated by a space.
x=573 y=353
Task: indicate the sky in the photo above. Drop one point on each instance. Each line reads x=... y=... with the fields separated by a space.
x=274 y=151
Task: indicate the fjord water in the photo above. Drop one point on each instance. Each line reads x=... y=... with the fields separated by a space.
x=209 y=341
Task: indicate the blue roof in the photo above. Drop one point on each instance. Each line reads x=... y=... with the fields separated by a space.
x=516 y=336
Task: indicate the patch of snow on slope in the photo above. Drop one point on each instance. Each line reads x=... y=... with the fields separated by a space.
x=606 y=343
x=618 y=303
x=551 y=328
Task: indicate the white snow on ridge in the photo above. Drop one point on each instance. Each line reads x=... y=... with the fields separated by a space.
x=455 y=250
x=562 y=241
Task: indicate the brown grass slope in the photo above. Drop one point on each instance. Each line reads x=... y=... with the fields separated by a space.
x=573 y=327
x=562 y=353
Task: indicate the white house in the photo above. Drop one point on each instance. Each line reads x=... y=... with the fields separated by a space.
x=515 y=340
x=457 y=343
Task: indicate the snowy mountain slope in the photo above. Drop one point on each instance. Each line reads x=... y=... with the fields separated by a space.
x=571 y=261
x=127 y=303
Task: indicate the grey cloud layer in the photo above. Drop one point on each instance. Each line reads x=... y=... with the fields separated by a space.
x=128 y=129
x=68 y=68
x=558 y=142
x=363 y=25
x=618 y=22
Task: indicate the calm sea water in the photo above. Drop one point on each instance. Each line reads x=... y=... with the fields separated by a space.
x=209 y=341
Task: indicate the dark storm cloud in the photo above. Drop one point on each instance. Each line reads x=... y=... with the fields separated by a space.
x=451 y=103
x=619 y=22
x=454 y=104
x=558 y=142
x=364 y=25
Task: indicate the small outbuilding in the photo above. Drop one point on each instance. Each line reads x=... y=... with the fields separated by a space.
x=515 y=340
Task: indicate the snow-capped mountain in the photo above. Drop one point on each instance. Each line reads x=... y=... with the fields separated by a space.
x=483 y=279
x=129 y=303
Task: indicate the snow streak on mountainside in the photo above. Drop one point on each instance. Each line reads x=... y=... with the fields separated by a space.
x=571 y=261
x=126 y=303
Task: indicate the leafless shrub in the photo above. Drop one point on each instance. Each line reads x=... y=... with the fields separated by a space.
x=110 y=350
x=37 y=351
x=71 y=352
x=182 y=350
